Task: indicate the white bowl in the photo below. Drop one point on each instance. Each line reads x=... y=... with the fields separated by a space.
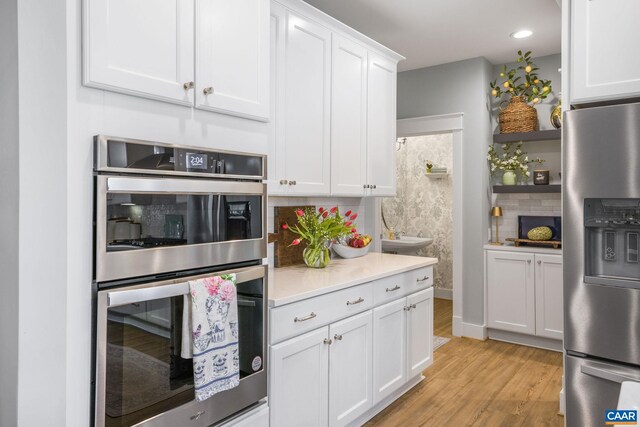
x=348 y=252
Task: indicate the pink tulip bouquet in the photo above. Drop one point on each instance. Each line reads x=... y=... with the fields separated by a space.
x=319 y=229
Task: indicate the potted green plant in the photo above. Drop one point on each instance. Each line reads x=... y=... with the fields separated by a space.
x=319 y=230
x=512 y=161
x=524 y=88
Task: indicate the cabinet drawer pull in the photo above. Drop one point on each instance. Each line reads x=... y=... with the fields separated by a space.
x=208 y=90
x=425 y=278
x=327 y=341
x=337 y=337
x=395 y=288
x=302 y=319
x=358 y=301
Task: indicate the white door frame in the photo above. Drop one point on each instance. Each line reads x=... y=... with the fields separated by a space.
x=446 y=123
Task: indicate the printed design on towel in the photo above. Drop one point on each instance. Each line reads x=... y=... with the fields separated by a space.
x=215 y=335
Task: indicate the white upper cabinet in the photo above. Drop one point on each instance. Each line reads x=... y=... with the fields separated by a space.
x=334 y=113
x=142 y=47
x=213 y=54
x=307 y=107
x=348 y=118
x=381 y=126
x=604 y=38
x=232 y=57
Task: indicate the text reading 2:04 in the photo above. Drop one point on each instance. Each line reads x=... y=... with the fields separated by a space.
x=197 y=161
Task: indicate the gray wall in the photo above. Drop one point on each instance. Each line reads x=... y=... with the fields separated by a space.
x=9 y=213
x=450 y=88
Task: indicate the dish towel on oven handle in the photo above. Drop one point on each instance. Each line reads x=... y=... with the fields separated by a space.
x=214 y=323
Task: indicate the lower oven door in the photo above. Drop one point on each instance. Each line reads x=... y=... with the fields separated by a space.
x=141 y=377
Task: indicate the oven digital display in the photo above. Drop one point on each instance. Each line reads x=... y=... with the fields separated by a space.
x=197 y=161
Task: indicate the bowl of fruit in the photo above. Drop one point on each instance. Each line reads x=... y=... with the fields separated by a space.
x=353 y=247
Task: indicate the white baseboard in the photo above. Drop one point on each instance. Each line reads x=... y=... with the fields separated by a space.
x=470 y=330
x=456 y=326
x=524 y=339
x=443 y=293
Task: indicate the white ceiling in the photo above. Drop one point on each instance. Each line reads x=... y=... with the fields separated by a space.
x=432 y=32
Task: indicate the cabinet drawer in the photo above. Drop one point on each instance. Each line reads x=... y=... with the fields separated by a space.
x=399 y=285
x=390 y=288
x=302 y=316
x=419 y=279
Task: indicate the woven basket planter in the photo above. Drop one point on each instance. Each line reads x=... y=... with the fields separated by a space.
x=518 y=116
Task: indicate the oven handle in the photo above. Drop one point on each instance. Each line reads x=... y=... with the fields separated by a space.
x=136 y=185
x=173 y=288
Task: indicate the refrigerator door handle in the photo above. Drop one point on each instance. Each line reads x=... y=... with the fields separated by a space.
x=606 y=375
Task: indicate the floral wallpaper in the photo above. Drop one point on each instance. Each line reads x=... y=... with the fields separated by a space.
x=424 y=204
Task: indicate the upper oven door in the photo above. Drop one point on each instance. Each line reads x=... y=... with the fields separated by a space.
x=146 y=226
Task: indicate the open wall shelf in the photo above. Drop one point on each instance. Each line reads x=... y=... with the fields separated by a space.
x=540 y=135
x=553 y=188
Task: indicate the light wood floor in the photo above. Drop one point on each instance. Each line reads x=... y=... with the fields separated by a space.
x=480 y=383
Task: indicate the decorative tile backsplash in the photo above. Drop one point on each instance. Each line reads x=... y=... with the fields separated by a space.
x=425 y=205
x=514 y=204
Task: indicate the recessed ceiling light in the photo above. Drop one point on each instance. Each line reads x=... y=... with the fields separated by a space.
x=521 y=34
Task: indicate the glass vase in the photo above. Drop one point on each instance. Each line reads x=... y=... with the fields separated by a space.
x=316 y=256
x=509 y=178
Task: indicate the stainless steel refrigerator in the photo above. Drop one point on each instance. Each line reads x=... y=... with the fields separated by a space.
x=601 y=237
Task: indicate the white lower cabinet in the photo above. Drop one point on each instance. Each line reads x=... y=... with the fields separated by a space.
x=350 y=368
x=389 y=348
x=403 y=342
x=549 y=312
x=524 y=293
x=419 y=332
x=335 y=375
x=299 y=383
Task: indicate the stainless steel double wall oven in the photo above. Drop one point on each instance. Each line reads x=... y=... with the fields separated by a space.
x=163 y=215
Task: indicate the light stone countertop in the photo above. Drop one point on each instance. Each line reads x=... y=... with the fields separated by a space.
x=291 y=284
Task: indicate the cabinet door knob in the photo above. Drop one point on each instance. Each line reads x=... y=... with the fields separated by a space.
x=188 y=85
x=293 y=182
x=528 y=261
x=327 y=341
x=208 y=90
x=365 y=186
x=407 y=308
x=283 y=182
x=337 y=337
x=539 y=262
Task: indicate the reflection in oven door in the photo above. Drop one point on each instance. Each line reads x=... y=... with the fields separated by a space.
x=145 y=370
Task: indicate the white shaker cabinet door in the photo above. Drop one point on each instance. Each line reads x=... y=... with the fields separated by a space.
x=511 y=291
x=381 y=126
x=299 y=381
x=276 y=181
x=604 y=44
x=142 y=47
x=232 y=57
x=549 y=308
x=389 y=349
x=419 y=332
x=348 y=118
x=307 y=106
x=350 y=368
